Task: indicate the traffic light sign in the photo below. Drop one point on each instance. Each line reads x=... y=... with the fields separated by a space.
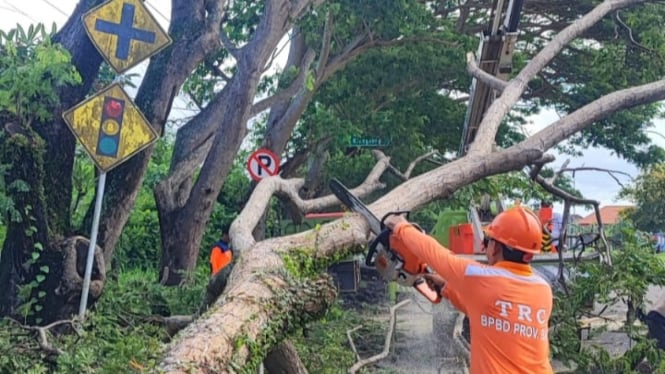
x=110 y=127
x=108 y=140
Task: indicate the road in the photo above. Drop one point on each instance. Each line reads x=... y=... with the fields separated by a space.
x=424 y=342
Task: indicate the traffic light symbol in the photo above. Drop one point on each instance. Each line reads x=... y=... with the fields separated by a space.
x=108 y=141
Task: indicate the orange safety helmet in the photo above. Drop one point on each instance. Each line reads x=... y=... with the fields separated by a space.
x=518 y=228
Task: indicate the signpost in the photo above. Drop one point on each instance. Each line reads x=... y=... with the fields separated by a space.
x=262 y=164
x=108 y=125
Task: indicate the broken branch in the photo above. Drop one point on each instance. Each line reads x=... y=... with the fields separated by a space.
x=353 y=346
x=569 y=199
x=42 y=334
x=412 y=165
x=386 y=346
x=610 y=172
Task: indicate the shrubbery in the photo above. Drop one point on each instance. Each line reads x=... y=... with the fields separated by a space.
x=118 y=335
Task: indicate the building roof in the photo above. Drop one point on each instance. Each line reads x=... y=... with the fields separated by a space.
x=608 y=214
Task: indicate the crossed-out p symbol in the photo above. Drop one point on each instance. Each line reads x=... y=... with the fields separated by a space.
x=262 y=164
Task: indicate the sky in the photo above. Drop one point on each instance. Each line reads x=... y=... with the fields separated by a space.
x=595 y=185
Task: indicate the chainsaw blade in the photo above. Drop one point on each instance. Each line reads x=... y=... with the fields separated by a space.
x=355 y=205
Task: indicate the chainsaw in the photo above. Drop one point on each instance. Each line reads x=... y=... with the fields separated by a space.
x=402 y=267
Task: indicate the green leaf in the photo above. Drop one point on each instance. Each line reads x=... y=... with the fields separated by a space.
x=309 y=81
x=40 y=278
x=41 y=294
x=44 y=269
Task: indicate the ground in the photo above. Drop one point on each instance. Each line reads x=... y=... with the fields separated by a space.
x=424 y=341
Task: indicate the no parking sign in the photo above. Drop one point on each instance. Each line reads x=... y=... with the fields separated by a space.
x=262 y=164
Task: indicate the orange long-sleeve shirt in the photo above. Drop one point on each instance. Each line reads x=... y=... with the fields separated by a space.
x=507 y=304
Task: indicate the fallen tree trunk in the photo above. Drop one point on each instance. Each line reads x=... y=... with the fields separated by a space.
x=262 y=301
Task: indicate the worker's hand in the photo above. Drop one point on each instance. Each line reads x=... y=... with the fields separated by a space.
x=435 y=279
x=435 y=282
x=394 y=220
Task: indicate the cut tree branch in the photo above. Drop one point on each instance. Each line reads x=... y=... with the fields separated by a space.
x=594 y=111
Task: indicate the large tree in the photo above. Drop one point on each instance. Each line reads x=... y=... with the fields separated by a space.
x=234 y=42
x=263 y=302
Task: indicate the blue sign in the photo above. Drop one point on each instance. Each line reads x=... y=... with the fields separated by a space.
x=125 y=31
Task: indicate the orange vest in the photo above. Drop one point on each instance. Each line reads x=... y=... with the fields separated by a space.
x=507 y=304
x=219 y=259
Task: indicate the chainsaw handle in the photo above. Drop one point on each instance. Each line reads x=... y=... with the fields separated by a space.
x=431 y=293
x=383 y=238
x=406 y=214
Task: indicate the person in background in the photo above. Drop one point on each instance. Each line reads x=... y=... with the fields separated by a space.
x=221 y=253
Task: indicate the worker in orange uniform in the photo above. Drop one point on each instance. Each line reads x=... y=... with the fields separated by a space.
x=508 y=305
x=221 y=253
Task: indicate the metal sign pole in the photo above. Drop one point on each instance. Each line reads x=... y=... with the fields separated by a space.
x=93 y=244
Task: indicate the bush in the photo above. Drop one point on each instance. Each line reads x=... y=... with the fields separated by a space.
x=118 y=334
x=635 y=268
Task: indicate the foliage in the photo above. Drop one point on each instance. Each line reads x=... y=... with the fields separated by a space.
x=648 y=192
x=118 y=336
x=635 y=268
x=83 y=183
x=621 y=51
x=8 y=210
x=31 y=68
x=140 y=242
x=324 y=347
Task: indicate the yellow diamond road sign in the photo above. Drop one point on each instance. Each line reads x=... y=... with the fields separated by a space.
x=110 y=127
x=124 y=32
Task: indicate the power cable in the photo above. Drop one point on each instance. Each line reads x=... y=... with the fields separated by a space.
x=56 y=8
x=19 y=11
x=158 y=12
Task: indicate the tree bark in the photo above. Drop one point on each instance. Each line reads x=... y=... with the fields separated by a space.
x=43 y=158
x=166 y=73
x=247 y=300
x=248 y=305
x=184 y=210
x=284 y=359
x=26 y=241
